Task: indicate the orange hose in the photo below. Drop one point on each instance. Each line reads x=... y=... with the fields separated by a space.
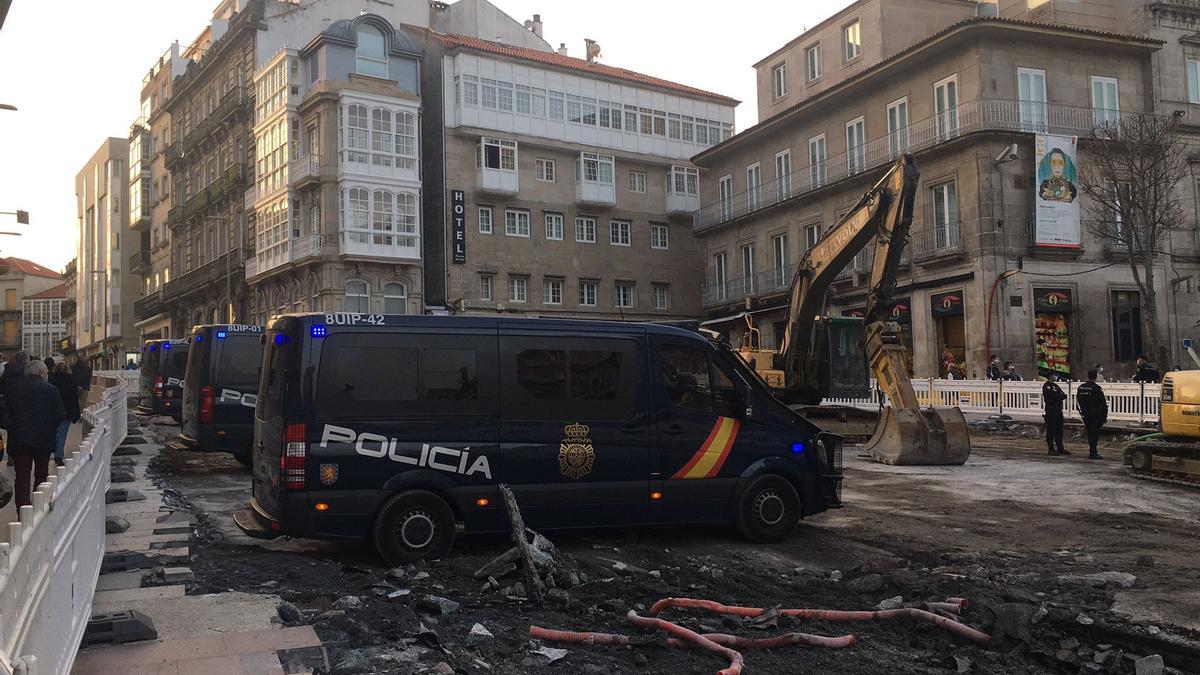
x=572 y=636
x=691 y=637
x=965 y=632
x=785 y=640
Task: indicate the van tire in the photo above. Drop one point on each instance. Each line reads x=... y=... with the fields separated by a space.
x=767 y=510
x=430 y=517
x=245 y=458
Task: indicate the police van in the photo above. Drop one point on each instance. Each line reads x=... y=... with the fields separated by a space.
x=221 y=388
x=162 y=367
x=399 y=429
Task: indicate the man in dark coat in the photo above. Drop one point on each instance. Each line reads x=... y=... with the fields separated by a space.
x=1093 y=407
x=83 y=377
x=1145 y=372
x=14 y=371
x=1053 y=399
x=36 y=410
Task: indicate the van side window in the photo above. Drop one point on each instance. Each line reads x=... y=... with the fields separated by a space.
x=693 y=382
x=568 y=378
x=449 y=375
x=239 y=362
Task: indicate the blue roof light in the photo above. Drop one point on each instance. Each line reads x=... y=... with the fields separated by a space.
x=199 y=338
x=319 y=330
x=221 y=335
x=281 y=339
x=798 y=448
x=166 y=346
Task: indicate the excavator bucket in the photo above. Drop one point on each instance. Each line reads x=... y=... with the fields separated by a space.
x=935 y=436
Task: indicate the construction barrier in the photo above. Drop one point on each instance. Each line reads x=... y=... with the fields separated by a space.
x=50 y=563
x=1127 y=401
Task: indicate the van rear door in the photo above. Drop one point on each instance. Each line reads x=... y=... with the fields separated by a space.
x=238 y=356
x=574 y=428
x=279 y=388
x=193 y=379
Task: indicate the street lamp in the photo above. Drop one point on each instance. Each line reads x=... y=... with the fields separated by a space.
x=7 y=106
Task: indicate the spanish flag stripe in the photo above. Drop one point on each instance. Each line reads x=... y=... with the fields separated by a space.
x=711 y=456
x=720 y=461
x=682 y=473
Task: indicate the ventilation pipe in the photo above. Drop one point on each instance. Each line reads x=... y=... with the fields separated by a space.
x=536 y=25
x=562 y=49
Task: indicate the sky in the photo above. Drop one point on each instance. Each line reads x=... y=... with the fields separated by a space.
x=78 y=84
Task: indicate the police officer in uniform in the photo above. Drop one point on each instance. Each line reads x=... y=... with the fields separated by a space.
x=1053 y=399
x=1093 y=407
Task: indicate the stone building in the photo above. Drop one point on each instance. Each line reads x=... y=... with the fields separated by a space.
x=564 y=187
x=969 y=96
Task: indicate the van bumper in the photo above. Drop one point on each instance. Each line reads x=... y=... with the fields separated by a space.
x=255 y=522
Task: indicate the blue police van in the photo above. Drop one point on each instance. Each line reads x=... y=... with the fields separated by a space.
x=221 y=389
x=399 y=429
x=161 y=373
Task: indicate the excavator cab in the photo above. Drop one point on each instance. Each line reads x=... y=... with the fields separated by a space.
x=842 y=370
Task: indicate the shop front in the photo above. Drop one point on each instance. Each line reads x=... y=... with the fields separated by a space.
x=950 y=332
x=1052 y=332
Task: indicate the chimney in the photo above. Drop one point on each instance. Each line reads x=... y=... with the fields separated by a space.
x=591 y=49
x=562 y=49
x=987 y=9
x=536 y=26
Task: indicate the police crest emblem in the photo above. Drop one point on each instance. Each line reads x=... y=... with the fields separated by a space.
x=329 y=474
x=575 y=454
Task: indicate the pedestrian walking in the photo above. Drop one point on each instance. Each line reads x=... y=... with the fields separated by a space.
x=68 y=391
x=36 y=410
x=1093 y=407
x=83 y=377
x=14 y=371
x=50 y=364
x=993 y=369
x=1145 y=372
x=1010 y=372
x=1053 y=399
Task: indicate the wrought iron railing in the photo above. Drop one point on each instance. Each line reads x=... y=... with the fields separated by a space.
x=228 y=264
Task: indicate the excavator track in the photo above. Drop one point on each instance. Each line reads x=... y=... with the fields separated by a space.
x=1153 y=459
x=1172 y=478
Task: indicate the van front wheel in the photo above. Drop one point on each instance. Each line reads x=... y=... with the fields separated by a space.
x=413 y=525
x=767 y=510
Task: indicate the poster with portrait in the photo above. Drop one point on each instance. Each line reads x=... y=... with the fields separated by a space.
x=1057 y=195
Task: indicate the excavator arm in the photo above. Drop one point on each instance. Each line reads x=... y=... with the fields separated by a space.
x=905 y=434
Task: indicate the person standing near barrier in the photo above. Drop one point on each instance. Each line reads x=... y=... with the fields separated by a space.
x=36 y=410
x=993 y=369
x=1145 y=373
x=1093 y=408
x=1053 y=399
x=83 y=377
x=68 y=391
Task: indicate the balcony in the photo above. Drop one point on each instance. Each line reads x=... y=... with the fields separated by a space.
x=174 y=155
x=496 y=181
x=592 y=193
x=211 y=272
x=139 y=218
x=762 y=285
x=251 y=197
x=148 y=305
x=936 y=244
x=304 y=169
x=139 y=262
x=294 y=250
x=679 y=204
x=176 y=215
x=403 y=247
x=969 y=117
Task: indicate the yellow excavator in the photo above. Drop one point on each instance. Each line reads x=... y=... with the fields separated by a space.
x=1173 y=454
x=819 y=352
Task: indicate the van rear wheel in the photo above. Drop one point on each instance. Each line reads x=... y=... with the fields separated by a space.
x=767 y=510
x=413 y=525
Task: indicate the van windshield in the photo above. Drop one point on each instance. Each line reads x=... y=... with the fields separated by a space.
x=240 y=359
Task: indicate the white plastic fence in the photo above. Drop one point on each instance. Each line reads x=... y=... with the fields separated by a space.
x=49 y=567
x=1127 y=401
x=132 y=378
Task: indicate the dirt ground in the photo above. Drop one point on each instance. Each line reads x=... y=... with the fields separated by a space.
x=1012 y=531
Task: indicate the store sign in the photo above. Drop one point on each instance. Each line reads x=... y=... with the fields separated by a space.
x=458 y=225
x=946 y=304
x=1057 y=199
x=901 y=311
x=1052 y=299
x=856 y=313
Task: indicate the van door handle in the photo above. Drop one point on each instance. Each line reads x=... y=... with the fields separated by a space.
x=674 y=430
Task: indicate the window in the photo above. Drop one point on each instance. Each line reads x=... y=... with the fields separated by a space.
x=748 y=266
x=1193 y=81
x=406 y=140
x=685 y=180
x=518 y=289
x=856 y=155
x=662 y=296
x=496 y=153
x=568 y=379
x=585 y=230
x=725 y=196
x=486 y=283
x=556 y=105
x=381 y=137
x=816 y=161
x=637 y=181
x=692 y=382
x=395 y=299
x=489 y=93
x=595 y=168
x=720 y=274
x=516 y=223
x=545 y=170
x=1126 y=325
x=470 y=90
x=779 y=252
x=371 y=56
x=779 y=81
x=623 y=294
x=1031 y=91
x=945 y=216
x=783 y=175
x=659 y=236
x=552 y=291
x=897 y=117
x=1106 y=107
x=812 y=234
x=554 y=226
x=812 y=62
x=485 y=220
x=753 y=186
x=852 y=37
x=945 y=100
x=358 y=298
x=618 y=233
x=587 y=293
